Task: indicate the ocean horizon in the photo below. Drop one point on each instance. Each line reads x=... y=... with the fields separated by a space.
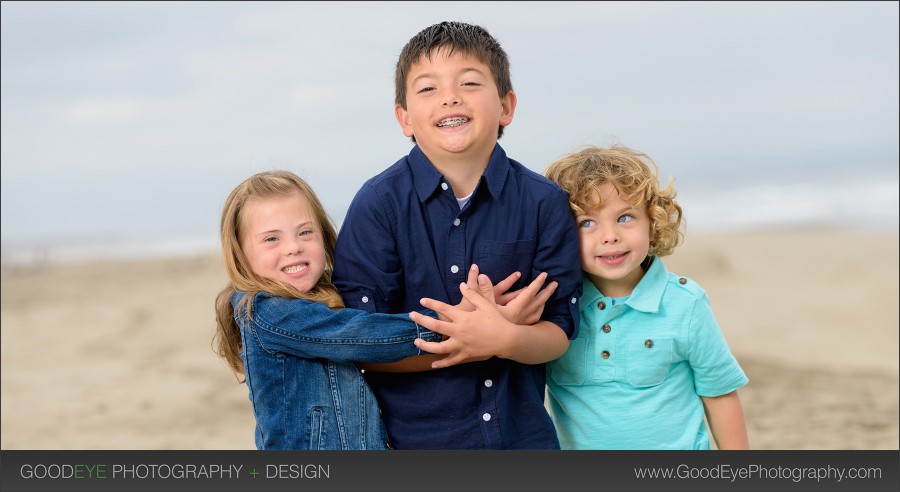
x=860 y=204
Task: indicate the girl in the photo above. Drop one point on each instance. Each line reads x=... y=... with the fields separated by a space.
x=281 y=326
x=649 y=359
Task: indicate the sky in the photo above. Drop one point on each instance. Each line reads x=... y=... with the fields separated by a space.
x=132 y=121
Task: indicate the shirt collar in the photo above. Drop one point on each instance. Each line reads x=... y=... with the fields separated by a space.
x=426 y=178
x=646 y=296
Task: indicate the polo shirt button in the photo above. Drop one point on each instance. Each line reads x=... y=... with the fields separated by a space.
x=486 y=417
x=605 y=354
x=488 y=383
x=456 y=222
x=365 y=299
x=606 y=328
x=648 y=343
x=682 y=281
x=444 y=186
x=601 y=305
x=574 y=300
x=454 y=269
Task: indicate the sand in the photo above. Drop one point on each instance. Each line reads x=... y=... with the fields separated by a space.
x=117 y=355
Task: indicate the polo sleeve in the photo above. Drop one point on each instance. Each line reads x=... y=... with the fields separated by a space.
x=367 y=268
x=558 y=255
x=716 y=371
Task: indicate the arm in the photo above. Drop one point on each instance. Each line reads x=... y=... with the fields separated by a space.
x=312 y=330
x=484 y=332
x=519 y=306
x=726 y=421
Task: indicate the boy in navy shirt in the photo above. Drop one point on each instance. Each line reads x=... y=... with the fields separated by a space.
x=456 y=200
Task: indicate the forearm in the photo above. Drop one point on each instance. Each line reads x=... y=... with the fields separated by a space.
x=535 y=344
x=416 y=363
x=726 y=421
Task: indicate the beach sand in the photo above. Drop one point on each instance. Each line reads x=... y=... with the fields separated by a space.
x=117 y=355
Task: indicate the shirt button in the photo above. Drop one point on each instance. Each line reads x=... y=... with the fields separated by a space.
x=454 y=269
x=648 y=343
x=601 y=305
x=488 y=383
x=606 y=328
x=486 y=417
x=365 y=299
x=682 y=281
x=444 y=186
x=605 y=354
x=574 y=300
x=456 y=222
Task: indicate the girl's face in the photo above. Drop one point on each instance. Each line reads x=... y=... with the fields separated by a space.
x=614 y=241
x=283 y=241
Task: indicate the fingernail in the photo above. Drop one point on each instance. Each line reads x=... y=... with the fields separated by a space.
x=482 y=279
x=423 y=301
x=474 y=266
x=463 y=285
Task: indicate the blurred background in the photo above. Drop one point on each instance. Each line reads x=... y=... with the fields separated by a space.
x=126 y=124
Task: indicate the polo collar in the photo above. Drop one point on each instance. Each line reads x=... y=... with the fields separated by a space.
x=646 y=297
x=426 y=178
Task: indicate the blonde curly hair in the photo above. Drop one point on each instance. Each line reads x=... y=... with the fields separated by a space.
x=634 y=175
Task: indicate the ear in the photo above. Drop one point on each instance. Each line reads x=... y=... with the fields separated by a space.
x=403 y=118
x=507 y=108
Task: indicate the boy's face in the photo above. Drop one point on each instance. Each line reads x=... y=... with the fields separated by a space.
x=452 y=106
x=283 y=241
x=614 y=241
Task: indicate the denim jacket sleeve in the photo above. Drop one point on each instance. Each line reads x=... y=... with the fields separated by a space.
x=312 y=330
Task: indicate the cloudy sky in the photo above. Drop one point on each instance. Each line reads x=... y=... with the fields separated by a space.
x=136 y=119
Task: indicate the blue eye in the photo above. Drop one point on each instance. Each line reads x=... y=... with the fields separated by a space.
x=586 y=223
x=625 y=218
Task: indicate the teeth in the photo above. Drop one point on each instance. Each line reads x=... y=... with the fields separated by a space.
x=294 y=269
x=452 y=122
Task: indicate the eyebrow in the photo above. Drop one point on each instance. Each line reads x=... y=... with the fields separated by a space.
x=431 y=75
x=271 y=231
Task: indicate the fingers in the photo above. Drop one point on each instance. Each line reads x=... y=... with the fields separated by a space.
x=429 y=323
x=506 y=284
x=439 y=307
x=433 y=347
x=471 y=280
x=544 y=295
x=485 y=289
x=526 y=294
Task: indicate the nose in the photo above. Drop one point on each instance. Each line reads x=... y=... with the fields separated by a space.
x=451 y=98
x=608 y=235
x=293 y=247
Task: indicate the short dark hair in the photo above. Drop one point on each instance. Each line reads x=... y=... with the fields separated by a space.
x=465 y=38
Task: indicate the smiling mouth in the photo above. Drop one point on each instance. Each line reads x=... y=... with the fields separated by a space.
x=613 y=257
x=452 y=122
x=295 y=268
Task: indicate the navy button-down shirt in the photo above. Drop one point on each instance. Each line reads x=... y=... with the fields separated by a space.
x=405 y=237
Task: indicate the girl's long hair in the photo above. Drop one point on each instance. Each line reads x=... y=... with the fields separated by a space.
x=227 y=340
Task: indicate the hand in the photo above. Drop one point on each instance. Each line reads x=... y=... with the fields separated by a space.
x=473 y=335
x=483 y=287
x=521 y=307
x=528 y=303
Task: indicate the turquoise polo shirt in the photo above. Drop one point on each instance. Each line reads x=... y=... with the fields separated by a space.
x=633 y=377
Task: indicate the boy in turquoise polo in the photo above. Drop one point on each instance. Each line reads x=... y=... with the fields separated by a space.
x=649 y=359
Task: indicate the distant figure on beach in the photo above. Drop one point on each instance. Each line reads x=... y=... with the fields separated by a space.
x=281 y=322
x=649 y=359
x=456 y=199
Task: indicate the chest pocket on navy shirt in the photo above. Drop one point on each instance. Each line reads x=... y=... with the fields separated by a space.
x=498 y=259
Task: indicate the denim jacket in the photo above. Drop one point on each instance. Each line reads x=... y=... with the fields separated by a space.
x=306 y=391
